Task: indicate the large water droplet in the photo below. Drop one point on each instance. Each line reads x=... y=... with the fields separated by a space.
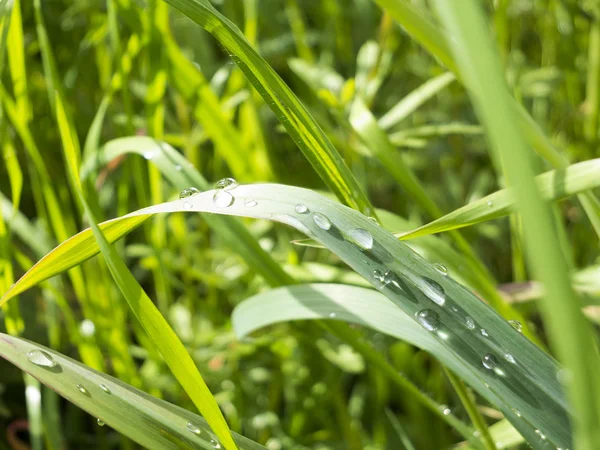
x=226 y=184
x=516 y=325
x=100 y=423
x=301 y=209
x=484 y=333
x=470 y=323
x=441 y=269
x=41 y=358
x=445 y=410
x=188 y=192
x=434 y=291
x=510 y=358
x=81 y=388
x=429 y=319
x=489 y=361
x=363 y=238
x=215 y=444
x=105 y=389
x=192 y=428
x=322 y=221
x=222 y=199
x=250 y=202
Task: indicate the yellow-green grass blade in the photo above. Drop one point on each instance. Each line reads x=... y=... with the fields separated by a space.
x=568 y=330
x=528 y=384
x=301 y=126
x=159 y=331
x=150 y=422
x=553 y=185
x=16 y=61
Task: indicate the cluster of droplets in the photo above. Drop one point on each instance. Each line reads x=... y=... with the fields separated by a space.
x=186 y=194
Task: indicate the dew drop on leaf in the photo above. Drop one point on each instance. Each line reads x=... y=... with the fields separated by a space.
x=434 y=291
x=188 y=192
x=148 y=155
x=484 y=333
x=429 y=319
x=322 y=221
x=226 y=184
x=332 y=315
x=489 y=203
x=100 y=423
x=81 y=388
x=105 y=389
x=41 y=358
x=301 y=209
x=187 y=205
x=362 y=237
x=222 y=199
x=489 y=361
x=541 y=435
x=379 y=276
x=215 y=444
x=441 y=269
x=193 y=428
x=470 y=323
x=516 y=325
x=510 y=358
x=250 y=202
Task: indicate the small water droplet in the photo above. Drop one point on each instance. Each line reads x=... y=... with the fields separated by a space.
x=362 y=237
x=373 y=219
x=226 y=184
x=81 y=388
x=178 y=168
x=105 y=389
x=564 y=376
x=510 y=358
x=41 y=358
x=489 y=203
x=434 y=291
x=484 y=333
x=148 y=155
x=489 y=361
x=250 y=202
x=215 y=444
x=516 y=412
x=470 y=323
x=322 y=221
x=441 y=269
x=188 y=192
x=332 y=315
x=446 y=411
x=192 y=428
x=187 y=205
x=222 y=199
x=429 y=319
x=541 y=435
x=100 y=423
x=379 y=276
x=516 y=325
x=301 y=209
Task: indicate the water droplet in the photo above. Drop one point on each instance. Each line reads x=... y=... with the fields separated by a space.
x=178 y=168
x=87 y=328
x=332 y=315
x=321 y=221
x=446 y=411
x=226 y=184
x=379 y=276
x=301 y=209
x=41 y=358
x=484 y=333
x=215 y=444
x=100 y=423
x=489 y=203
x=541 y=435
x=564 y=376
x=148 y=155
x=188 y=192
x=192 y=428
x=470 y=323
x=81 y=388
x=434 y=291
x=362 y=237
x=510 y=358
x=373 y=219
x=441 y=269
x=187 y=205
x=489 y=361
x=516 y=412
x=250 y=202
x=516 y=325
x=105 y=389
x=429 y=319
x=222 y=199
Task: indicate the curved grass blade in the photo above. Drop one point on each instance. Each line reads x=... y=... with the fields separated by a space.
x=287 y=107
x=521 y=375
x=553 y=185
x=149 y=421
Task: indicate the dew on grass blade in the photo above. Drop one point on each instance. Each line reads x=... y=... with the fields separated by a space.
x=148 y=155
x=226 y=184
x=100 y=423
x=362 y=238
x=222 y=199
x=332 y=315
x=301 y=209
x=250 y=202
x=193 y=428
x=41 y=358
x=484 y=333
x=429 y=319
x=489 y=361
x=81 y=388
x=516 y=325
x=441 y=269
x=489 y=203
x=378 y=275
x=215 y=444
x=105 y=389
x=188 y=192
x=510 y=358
x=470 y=323
x=434 y=291
x=541 y=435
x=187 y=205
x=322 y=221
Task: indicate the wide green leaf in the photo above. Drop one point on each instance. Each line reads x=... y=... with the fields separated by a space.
x=518 y=374
x=150 y=422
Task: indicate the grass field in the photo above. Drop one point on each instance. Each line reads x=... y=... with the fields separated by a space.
x=291 y=224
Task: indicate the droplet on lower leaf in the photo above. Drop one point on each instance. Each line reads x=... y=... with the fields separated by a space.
x=193 y=428
x=470 y=323
x=541 y=435
x=510 y=358
x=222 y=199
x=489 y=203
x=188 y=192
x=226 y=184
x=250 y=202
x=362 y=238
x=434 y=291
x=322 y=221
x=516 y=325
x=332 y=315
x=441 y=269
x=100 y=423
x=81 y=388
x=484 y=333
x=187 y=205
x=379 y=276
x=41 y=358
x=301 y=209
x=215 y=444
x=489 y=361
x=429 y=319
x=105 y=389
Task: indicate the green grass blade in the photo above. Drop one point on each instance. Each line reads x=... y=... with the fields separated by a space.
x=149 y=421
x=528 y=385
x=158 y=329
x=553 y=185
x=289 y=110
x=16 y=60
x=569 y=332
